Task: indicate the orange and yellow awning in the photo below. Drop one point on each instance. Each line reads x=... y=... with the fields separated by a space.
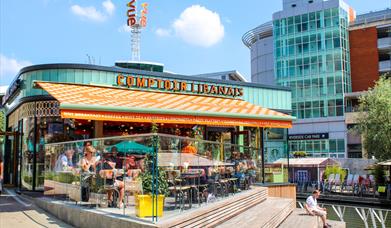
x=117 y=104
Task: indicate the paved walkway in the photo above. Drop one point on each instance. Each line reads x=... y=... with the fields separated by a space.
x=17 y=211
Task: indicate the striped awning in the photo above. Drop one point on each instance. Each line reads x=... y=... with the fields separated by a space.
x=117 y=104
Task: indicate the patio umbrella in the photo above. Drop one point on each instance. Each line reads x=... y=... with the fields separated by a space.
x=131 y=147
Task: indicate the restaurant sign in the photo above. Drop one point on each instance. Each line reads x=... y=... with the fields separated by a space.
x=309 y=136
x=177 y=86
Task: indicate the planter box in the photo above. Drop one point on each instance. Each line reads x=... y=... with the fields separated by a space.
x=144 y=206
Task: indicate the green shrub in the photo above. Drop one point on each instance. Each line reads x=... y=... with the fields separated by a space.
x=299 y=154
x=49 y=175
x=146 y=179
x=335 y=169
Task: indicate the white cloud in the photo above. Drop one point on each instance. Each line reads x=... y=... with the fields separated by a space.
x=199 y=26
x=91 y=13
x=163 y=32
x=9 y=67
x=88 y=12
x=109 y=6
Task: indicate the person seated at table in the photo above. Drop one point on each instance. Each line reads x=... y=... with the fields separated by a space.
x=116 y=157
x=212 y=175
x=64 y=161
x=240 y=169
x=251 y=169
x=88 y=162
x=189 y=148
x=109 y=173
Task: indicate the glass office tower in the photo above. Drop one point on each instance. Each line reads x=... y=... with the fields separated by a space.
x=311 y=55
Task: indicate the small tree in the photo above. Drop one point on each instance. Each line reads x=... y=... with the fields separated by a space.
x=336 y=170
x=374 y=120
x=379 y=174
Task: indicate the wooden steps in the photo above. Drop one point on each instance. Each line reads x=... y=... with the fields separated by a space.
x=218 y=212
x=269 y=213
x=299 y=218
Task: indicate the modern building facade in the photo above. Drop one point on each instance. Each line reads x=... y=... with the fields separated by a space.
x=310 y=54
x=370 y=52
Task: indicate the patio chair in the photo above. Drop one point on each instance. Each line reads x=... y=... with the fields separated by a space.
x=196 y=186
x=372 y=184
x=179 y=190
x=107 y=186
x=330 y=181
x=132 y=187
x=337 y=182
x=347 y=184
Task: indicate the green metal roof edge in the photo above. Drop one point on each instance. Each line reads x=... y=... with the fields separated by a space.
x=172 y=112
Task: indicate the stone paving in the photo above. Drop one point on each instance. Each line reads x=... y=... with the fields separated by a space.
x=19 y=212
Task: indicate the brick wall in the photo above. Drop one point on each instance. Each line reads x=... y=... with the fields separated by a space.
x=364 y=58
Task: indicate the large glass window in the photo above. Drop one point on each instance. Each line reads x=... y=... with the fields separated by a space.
x=317 y=52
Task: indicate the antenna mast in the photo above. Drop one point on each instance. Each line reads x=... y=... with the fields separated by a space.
x=136 y=24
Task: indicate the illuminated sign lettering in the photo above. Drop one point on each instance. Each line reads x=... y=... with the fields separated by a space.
x=177 y=86
x=131 y=13
x=144 y=11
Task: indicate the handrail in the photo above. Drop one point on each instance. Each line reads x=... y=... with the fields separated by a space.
x=376 y=214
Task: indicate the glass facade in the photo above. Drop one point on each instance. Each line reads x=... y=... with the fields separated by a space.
x=334 y=148
x=311 y=55
x=128 y=170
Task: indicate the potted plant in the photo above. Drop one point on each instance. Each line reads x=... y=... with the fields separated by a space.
x=299 y=154
x=146 y=202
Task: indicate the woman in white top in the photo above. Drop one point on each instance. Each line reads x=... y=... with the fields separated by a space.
x=88 y=162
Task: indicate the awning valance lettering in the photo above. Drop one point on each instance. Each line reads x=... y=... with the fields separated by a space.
x=117 y=104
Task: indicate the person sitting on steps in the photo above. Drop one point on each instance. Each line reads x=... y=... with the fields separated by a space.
x=313 y=209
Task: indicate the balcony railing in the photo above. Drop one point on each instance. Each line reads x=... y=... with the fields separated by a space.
x=385 y=66
x=384 y=43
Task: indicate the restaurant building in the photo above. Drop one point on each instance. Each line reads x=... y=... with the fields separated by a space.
x=63 y=102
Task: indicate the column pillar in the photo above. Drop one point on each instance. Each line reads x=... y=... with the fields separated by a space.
x=98 y=129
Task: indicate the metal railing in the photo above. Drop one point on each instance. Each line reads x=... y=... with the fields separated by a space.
x=370 y=17
x=370 y=217
x=250 y=37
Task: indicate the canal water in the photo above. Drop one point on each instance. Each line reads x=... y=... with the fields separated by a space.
x=352 y=218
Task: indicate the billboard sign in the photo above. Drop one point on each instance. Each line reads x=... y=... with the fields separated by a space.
x=144 y=12
x=132 y=15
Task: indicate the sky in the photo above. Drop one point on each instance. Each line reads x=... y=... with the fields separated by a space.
x=189 y=37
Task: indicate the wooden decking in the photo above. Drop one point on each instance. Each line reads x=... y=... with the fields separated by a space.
x=269 y=213
x=299 y=218
x=218 y=212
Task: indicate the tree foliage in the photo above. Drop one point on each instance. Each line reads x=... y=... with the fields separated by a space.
x=374 y=120
x=335 y=169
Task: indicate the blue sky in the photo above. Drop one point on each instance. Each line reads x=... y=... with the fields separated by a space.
x=189 y=37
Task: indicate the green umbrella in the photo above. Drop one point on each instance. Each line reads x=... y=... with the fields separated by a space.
x=131 y=147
